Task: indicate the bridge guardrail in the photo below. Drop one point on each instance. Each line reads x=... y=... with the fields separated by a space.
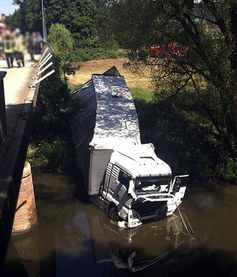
x=44 y=65
x=3 y=121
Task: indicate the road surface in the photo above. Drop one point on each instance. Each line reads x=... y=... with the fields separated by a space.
x=17 y=81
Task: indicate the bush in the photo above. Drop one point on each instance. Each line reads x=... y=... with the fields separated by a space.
x=227 y=169
x=140 y=95
x=62 y=43
x=50 y=144
x=53 y=154
x=86 y=54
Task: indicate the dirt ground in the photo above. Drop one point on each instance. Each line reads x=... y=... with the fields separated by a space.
x=86 y=69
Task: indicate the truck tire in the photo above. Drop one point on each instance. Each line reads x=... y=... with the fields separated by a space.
x=113 y=213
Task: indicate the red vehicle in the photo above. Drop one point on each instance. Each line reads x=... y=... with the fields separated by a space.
x=164 y=50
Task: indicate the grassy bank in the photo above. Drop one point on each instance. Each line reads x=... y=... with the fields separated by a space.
x=86 y=69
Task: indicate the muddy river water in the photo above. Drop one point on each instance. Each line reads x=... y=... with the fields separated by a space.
x=75 y=238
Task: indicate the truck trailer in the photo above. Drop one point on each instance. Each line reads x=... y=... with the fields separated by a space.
x=121 y=175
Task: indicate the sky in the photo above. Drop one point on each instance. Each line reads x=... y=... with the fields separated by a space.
x=7 y=7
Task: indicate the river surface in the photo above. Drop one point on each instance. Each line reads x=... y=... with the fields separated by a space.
x=75 y=238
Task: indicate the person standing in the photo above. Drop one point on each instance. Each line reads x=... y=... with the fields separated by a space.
x=39 y=41
x=8 y=48
x=19 y=48
x=32 y=46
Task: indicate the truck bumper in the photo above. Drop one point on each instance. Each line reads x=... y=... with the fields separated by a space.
x=131 y=221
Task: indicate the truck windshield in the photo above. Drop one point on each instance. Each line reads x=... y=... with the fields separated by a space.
x=151 y=184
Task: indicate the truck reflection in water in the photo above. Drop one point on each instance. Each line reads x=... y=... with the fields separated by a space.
x=136 y=249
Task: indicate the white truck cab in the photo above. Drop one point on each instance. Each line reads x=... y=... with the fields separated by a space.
x=135 y=186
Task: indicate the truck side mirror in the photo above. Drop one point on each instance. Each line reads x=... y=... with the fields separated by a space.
x=177 y=181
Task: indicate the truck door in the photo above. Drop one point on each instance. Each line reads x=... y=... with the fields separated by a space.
x=123 y=198
x=111 y=182
x=123 y=179
x=116 y=183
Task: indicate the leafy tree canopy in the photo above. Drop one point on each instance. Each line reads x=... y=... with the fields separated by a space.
x=206 y=33
x=62 y=43
x=28 y=16
x=88 y=20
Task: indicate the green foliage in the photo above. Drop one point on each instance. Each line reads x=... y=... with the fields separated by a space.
x=133 y=22
x=54 y=153
x=89 y=22
x=192 y=119
x=86 y=54
x=104 y=23
x=51 y=144
x=183 y=136
x=52 y=106
x=197 y=89
x=28 y=16
x=140 y=95
x=62 y=43
x=227 y=169
x=79 y=17
x=14 y=20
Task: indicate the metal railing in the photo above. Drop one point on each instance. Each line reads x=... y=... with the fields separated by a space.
x=3 y=121
x=44 y=65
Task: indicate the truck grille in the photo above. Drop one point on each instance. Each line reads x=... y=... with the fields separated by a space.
x=149 y=208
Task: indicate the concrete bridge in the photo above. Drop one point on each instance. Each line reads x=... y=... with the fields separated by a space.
x=18 y=96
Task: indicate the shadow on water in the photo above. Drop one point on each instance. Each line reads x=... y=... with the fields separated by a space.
x=75 y=238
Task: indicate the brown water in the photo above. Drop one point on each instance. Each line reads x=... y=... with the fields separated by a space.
x=75 y=238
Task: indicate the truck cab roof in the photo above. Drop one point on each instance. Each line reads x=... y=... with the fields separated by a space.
x=140 y=161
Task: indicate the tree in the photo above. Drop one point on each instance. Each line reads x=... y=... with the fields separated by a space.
x=206 y=32
x=133 y=22
x=207 y=35
x=14 y=20
x=104 y=22
x=210 y=42
x=62 y=43
x=78 y=17
x=28 y=15
x=89 y=21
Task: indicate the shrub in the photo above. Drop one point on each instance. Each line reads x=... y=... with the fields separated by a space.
x=62 y=43
x=85 y=54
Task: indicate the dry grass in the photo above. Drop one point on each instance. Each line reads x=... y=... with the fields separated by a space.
x=86 y=69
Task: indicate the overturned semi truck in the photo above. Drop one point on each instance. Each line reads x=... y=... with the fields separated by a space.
x=122 y=175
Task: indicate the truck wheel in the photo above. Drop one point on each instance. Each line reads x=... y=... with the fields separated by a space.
x=113 y=213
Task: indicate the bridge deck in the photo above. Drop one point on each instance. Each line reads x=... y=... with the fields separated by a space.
x=17 y=92
x=20 y=100
x=16 y=80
